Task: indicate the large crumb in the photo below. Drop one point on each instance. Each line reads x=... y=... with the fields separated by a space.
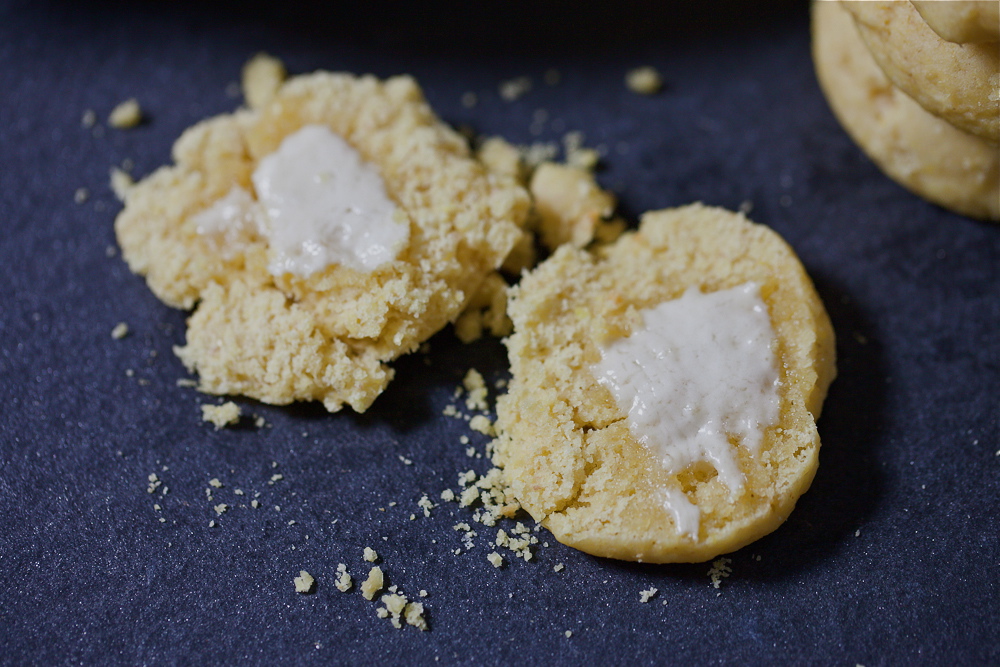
x=125 y=115
x=373 y=584
x=304 y=582
x=221 y=415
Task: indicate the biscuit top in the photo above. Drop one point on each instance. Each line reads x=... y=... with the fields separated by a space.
x=699 y=371
x=325 y=205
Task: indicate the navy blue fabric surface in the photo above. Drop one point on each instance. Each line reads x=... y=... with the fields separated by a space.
x=890 y=558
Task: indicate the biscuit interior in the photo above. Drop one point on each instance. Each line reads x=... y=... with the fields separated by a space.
x=565 y=445
x=329 y=335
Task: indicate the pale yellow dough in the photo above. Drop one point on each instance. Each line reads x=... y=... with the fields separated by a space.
x=328 y=336
x=962 y=21
x=920 y=151
x=957 y=82
x=564 y=444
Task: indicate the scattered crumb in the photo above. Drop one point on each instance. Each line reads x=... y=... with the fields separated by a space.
x=120 y=331
x=406 y=461
x=483 y=425
x=644 y=80
x=89 y=119
x=495 y=558
x=261 y=78
x=255 y=504
x=126 y=115
x=857 y=533
x=304 y=582
x=720 y=570
x=344 y=581
x=448 y=495
x=422 y=593
x=373 y=584
x=186 y=382
x=569 y=633
x=121 y=183
x=81 y=195
x=154 y=483
x=558 y=567
x=277 y=477
x=221 y=508
x=221 y=415
x=469 y=100
x=426 y=505
x=370 y=555
x=215 y=483
x=515 y=88
x=647 y=595
x=237 y=492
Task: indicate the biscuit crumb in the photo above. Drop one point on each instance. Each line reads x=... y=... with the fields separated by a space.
x=644 y=80
x=413 y=613
x=126 y=115
x=121 y=183
x=370 y=555
x=373 y=584
x=405 y=461
x=569 y=633
x=558 y=567
x=426 y=505
x=220 y=415
x=515 y=88
x=89 y=119
x=720 y=570
x=261 y=78
x=304 y=582
x=120 y=331
x=344 y=581
x=211 y=524
x=483 y=425
x=81 y=195
x=255 y=504
x=186 y=382
x=221 y=508
x=215 y=483
x=647 y=595
x=495 y=558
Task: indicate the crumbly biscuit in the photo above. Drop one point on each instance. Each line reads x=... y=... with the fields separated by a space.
x=918 y=150
x=329 y=335
x=957 y=82
x=962 y=21
x=565 y=445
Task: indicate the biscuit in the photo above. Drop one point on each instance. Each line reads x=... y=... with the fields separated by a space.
x=326 y=335
x=962 y=21
x=957 y=82
x=564 y=444
x=918 y=150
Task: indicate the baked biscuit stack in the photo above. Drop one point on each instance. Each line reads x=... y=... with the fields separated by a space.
x=917 y=85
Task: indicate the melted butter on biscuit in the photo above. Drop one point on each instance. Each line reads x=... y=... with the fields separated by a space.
x=324 y=205
x=699 y=372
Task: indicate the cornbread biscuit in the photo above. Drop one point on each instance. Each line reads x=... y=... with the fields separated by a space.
x=962 y=21
x=918 y=150
x=565 y=445
x=327 y=335
x=957 y=82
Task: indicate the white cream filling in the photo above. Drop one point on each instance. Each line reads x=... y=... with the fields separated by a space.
x=700 y=371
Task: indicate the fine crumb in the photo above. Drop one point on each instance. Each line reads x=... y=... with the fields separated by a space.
x=237 y=492
x=426 y=505
x=255 y=504
x=558 y=567
x=413 y=613
x=81 y=195
x=187 y=382
x=215 y=483
x=647 y=595
x=221 y=508
x=422 y=593
x=121 y=183
x=476 y=387
x=448 y=495
x=120 y=331
x=261 y=78
x=644 y=80
x=125 y=115
x=344 y=581
x=373 y=584
x=211 y=524
x=89 y=119
x=406 y=461
x=515 y=88
x=221 y=415
x=495 y=558
x=370 y=555
x=304 y=582
x=569 y=633
x=720 y=570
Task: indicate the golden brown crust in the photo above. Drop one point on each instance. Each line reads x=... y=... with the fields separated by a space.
x=957 y=82
x=338 y=326
x=564 y=444
x=918 y=150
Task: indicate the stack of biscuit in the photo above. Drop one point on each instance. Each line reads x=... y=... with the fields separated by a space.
x=916 y=84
